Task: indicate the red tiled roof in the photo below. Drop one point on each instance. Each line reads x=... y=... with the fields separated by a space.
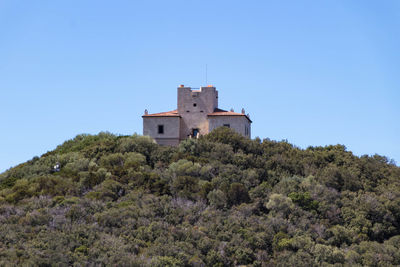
x=217 y=112
x=221 y=112
x=172 y=113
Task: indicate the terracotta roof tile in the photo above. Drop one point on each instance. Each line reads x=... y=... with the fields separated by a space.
x=172 y=113
x=221 y=112
x=217 y=112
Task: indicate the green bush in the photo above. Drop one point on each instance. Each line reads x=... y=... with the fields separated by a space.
x=220 y=200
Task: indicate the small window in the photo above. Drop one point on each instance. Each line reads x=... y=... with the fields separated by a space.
x=227 y=125
x=187 y=111
x=195 y=133
x=194 y=104
x=161 y=129
x=201 y=111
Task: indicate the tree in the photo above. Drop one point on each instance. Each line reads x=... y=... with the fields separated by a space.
x=237 y=194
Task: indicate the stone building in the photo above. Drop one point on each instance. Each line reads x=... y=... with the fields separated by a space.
x=197 y=114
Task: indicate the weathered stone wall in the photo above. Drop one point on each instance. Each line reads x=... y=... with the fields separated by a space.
x=193 y=106
x=171 y=129
x=237 y=123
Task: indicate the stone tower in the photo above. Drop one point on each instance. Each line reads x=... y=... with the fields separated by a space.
x=194 y=107
x=197 y=114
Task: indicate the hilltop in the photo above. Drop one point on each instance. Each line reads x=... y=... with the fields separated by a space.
x=220 y=200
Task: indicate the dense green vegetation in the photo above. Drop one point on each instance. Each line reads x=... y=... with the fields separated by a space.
x=221 y=200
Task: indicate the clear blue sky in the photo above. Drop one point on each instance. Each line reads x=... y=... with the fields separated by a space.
x=311 y=72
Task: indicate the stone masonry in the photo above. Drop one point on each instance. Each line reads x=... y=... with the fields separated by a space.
x=197 y=114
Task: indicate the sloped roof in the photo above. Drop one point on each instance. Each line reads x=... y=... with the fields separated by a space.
x=217 y=112
x=221 y=112
x=172 y=113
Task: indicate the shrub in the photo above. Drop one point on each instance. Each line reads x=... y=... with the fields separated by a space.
x=237 y=194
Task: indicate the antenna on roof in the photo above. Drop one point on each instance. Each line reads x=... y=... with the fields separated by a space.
x=206 y=75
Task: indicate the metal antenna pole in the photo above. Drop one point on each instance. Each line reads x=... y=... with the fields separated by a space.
x=206 y=75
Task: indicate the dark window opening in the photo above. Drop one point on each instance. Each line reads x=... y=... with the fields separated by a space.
x=195 y=133
x=160 y=129
x=227 y=125
x=187 y=111
x=194 y=104
x=201 y=111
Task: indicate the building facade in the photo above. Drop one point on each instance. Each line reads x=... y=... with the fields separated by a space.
x=197 y=114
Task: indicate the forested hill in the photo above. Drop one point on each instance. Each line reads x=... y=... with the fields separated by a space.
x=221 y=200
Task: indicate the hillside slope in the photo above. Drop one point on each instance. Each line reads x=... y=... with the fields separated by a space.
x=222 y=200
